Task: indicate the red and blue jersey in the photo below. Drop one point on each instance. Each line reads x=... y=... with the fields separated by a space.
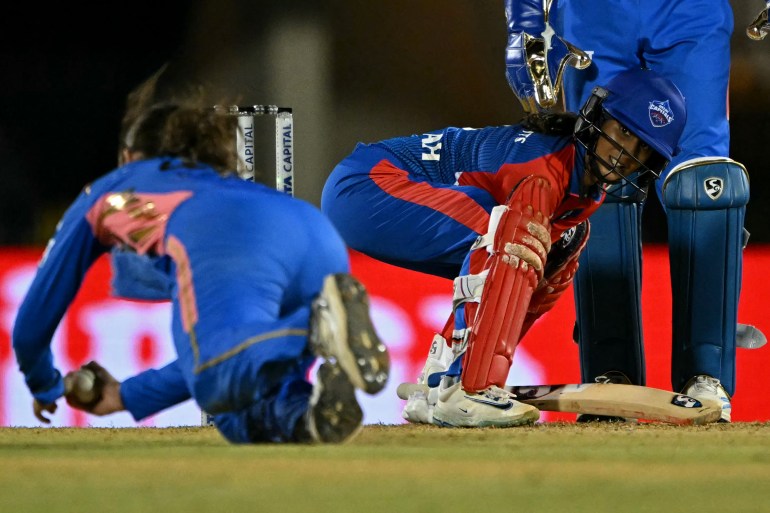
x=420 y=201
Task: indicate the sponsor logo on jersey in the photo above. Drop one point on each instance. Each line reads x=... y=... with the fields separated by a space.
x=714 y=187
x=660 y=113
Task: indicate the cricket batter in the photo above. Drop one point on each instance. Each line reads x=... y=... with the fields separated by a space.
x=503 y=211
x=703 y=192
x=258 y=282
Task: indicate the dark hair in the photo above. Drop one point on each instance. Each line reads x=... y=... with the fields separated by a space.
x=178 y=121
x=143 y=134
x=138 y=101
x=551 y=123
x=193 y=132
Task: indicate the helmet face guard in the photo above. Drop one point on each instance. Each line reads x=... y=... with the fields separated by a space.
x=588 y=131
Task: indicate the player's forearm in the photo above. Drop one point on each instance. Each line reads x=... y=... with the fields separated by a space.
x=67 y=258
x=43 y=380
x=31 y=346
x=153 y=391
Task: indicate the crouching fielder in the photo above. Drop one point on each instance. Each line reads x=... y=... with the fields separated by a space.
x=503 y=211
x=259 y=284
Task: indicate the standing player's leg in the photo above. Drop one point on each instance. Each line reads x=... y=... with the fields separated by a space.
x=607 y=286
x=607 y=291
x=706 y=203
x=705 y=196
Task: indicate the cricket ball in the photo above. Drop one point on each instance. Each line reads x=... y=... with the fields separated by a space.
x=84 y=386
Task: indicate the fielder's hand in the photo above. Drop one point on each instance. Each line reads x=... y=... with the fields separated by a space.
x=92 y=389
x=39 y=408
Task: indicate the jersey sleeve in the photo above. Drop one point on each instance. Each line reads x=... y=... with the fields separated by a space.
x=154 y=390
x=68 y=256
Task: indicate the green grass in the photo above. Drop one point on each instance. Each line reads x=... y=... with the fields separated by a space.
x=562 y=467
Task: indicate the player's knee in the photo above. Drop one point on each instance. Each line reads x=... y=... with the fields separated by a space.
x=208 y=397
x=711 y=183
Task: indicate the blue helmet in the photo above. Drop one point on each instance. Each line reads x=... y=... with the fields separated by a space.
x=648 y=105
x=651 y=106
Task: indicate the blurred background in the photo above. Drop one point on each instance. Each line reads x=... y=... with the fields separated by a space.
x=352 y=70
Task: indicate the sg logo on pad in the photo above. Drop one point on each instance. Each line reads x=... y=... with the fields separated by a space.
x=714 y=187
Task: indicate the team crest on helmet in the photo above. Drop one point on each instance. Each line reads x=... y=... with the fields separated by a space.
x=714 y=187
x=661 y=113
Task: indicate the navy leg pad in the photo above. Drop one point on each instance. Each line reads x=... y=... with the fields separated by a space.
x=705 y=201
x=607 y=290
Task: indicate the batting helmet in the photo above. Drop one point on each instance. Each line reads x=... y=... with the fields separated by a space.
x=647 y=104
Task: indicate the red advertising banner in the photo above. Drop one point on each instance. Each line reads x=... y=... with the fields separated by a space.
x=407 y=307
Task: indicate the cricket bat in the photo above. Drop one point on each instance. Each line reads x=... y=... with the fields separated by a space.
x=629 y=401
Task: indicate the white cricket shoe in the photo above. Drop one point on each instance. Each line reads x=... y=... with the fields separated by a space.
x=419 y=406
x=493 y=407
x=342 y=332
x=707 y=389
x=420 y=403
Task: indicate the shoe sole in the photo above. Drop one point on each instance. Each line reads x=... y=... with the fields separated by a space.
x=358 y=349
x=334 y=415
x=526 y=418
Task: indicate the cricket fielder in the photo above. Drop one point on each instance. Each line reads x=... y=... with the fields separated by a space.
x=258 y=282
x=503 y=211
x=704 y=193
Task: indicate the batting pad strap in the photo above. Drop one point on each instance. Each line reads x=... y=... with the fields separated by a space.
x=711 y=183
x=522 y=241
x=486 y=240
x=468 y=288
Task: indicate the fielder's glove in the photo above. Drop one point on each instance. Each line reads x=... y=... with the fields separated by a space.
x=535 y=58
x=760 y=26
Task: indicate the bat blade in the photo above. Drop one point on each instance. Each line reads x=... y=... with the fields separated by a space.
x=629 y=401
x=615 y=400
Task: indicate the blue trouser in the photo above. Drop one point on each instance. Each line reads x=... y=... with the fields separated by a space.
x=401 y=232
x=241 y=308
